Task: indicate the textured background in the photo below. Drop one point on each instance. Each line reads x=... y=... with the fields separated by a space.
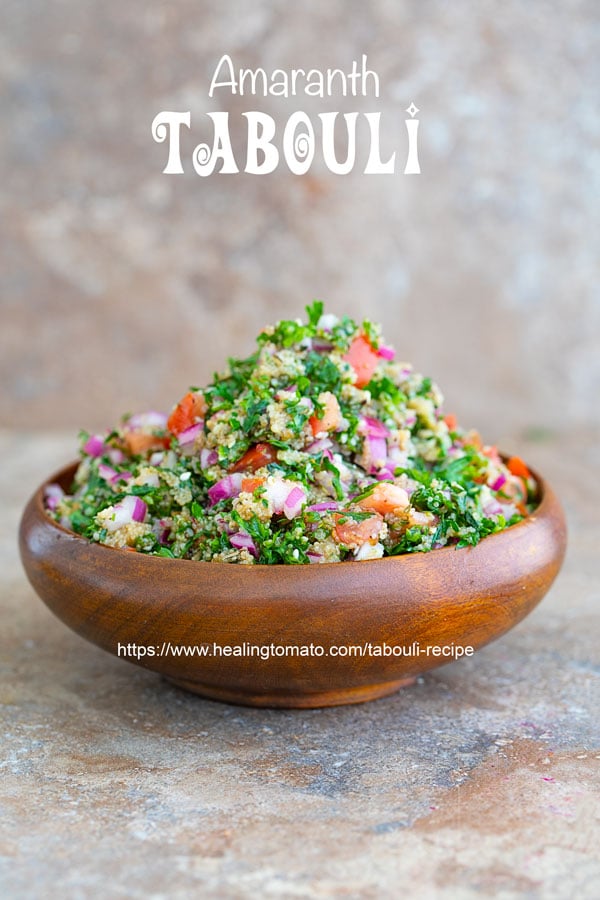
x=120 y=286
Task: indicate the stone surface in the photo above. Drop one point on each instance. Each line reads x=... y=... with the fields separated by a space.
x=480 y=780
x=120 y=286
x=484 y=269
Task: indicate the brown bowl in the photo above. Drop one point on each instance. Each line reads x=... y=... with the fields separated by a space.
x=443 y=599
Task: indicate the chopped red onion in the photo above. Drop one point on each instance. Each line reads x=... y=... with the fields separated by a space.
x=321 y=507
x=285 y=497
x=314 y=557
x=208 y=458
x=53 y=494
x=321 y=346
x=157 y=458
x=294 y=502
x=109 y=474
x=277 y=492
x=130 y=509
x=373 y=427
x=242 y=541
x=493 y=508
x=375 y=453
x=137 y=506
x=227 y=487
x=115 y=455
x=319 y=446
x=386 y=352
x=190 y=434
x=162 y=530
x=384 y=474
x=94 y=446
x=499 y=482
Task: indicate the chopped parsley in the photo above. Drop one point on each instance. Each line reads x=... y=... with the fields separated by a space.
x=317 y=447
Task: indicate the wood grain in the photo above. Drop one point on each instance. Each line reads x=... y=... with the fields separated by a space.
x=467 y=597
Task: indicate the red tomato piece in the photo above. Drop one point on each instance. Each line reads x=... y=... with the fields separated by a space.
x=332 y=415
x=189 y=409
x=255 y=458
x=516 y=466
x=138 y=442
x=354 y=534
x=363 y=359
x=249 y=485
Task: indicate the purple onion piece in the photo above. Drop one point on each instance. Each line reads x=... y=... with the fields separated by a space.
x=319 y=345
x=319 y=446
x=294 y=502
x=384 y=475
x=115 y=455
x=53 y=494
x=208 y=458
x=94 y=446
x=136 y=506
x=108 y=473
x=190 y=434
x=386 y=352
x=227 y=487
x=374 y=428
x=376 y=453
x=242 y=541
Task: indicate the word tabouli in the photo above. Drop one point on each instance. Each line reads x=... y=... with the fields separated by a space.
x=298 y=140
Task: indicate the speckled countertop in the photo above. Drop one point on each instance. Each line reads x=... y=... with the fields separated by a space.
x=480 y=780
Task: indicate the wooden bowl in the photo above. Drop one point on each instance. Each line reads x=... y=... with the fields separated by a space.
x=448 y=597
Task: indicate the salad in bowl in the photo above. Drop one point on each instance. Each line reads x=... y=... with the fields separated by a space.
x=322 y=446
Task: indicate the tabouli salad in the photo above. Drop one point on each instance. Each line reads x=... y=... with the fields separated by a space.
x=320 y=447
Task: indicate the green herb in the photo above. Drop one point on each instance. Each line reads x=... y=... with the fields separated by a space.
x=314 y=312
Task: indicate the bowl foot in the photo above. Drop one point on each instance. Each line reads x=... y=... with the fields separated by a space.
x=339 y=697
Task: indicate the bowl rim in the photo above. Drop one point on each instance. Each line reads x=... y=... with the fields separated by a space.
x=546 y=500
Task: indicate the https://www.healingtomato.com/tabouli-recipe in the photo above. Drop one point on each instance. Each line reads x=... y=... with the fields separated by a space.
x=320 y=447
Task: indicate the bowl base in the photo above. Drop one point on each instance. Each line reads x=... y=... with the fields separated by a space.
x=339 y=697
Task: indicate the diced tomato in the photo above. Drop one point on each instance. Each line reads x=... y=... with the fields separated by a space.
x=138 y=442
x=249 y=485
x=363 y=359
x=332 y=415
x=516 y=466
x=189 y=409
x=450 y=421
x=354 y=534
x=255 y=458
x=385 y=498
